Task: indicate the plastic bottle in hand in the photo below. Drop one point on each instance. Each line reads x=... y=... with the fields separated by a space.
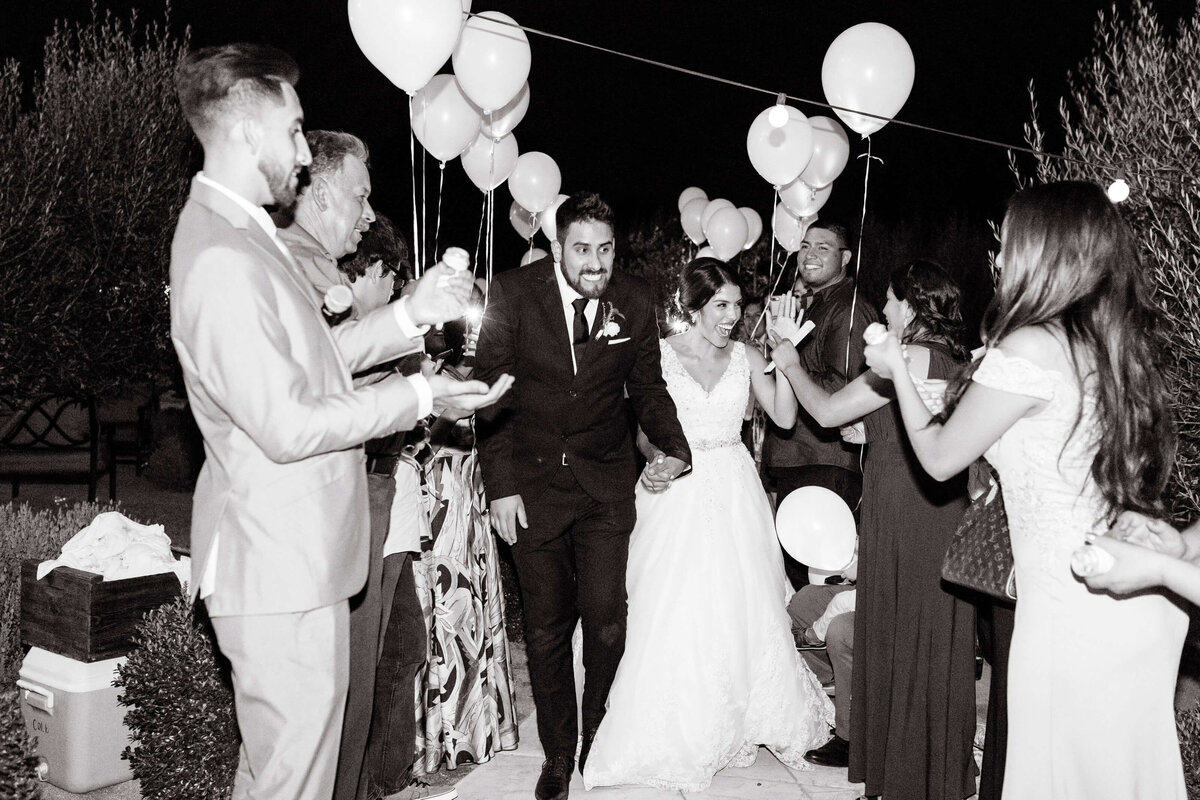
x=336 y=305
x=456 y=259
x=875 y=333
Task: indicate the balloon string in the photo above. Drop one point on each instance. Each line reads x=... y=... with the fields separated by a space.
x=437 y=226
x=487 y=196
x=770 y=271
x=425 y=203
x=412 y=149
x=862 y=229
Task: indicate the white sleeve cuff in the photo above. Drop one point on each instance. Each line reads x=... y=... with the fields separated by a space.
x=424 y=395
x=404 y=320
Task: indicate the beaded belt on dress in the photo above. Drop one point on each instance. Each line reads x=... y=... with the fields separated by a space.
x=714 y=444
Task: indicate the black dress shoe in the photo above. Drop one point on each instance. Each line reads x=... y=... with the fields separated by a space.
x=555 y=779
x=834 y=753
x=585 y=746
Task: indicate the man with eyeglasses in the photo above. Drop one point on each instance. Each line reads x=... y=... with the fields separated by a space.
x=808 y=454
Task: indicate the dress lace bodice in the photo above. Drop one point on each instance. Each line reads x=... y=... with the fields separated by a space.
x=709 y=419
x=1044 y=462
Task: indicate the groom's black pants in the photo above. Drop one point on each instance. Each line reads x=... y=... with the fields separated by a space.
x=571 y=565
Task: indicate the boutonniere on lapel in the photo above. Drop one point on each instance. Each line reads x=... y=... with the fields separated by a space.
x=610 y=322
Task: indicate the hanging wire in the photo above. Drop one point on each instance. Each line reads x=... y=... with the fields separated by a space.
x=776 y=94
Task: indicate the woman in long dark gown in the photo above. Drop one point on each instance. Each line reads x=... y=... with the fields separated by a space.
x=913 y=714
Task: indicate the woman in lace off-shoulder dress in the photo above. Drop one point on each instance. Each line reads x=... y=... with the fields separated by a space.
x=710 y=670
x=1070 y=407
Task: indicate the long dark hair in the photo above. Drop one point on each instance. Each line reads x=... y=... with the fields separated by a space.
x=936 y=302
x=1069 y=260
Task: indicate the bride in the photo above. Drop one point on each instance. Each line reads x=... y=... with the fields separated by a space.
x=710 y=670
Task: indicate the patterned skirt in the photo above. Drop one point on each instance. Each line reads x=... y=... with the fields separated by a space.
x=465 y=709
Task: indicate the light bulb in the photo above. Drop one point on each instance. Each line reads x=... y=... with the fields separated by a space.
x=1118 y=191
x=778 y=116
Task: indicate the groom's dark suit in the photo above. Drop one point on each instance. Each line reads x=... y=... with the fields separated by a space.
x=561 y=441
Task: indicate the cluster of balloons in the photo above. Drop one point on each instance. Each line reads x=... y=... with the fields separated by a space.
x=470 y=114
x=868 y=68
x=527 y=222
x=727 y=229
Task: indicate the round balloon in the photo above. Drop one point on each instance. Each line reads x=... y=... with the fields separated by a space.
x=689 y=194
x=488 y=162
x=406 y=40
x=491 y=59
x=443 y=121
x=789 y=229
x=533 y=254
x=710 y=208
x=535 y=181
x=708 y=252
x=753 y=226
x=831 y=151
x=778 y=154
x=549 y=220
x=727 y=231
x=501 y=121
x=869 y=67
x=803 y=200
x=816 y=527
x=690 y=216
x=523 y=222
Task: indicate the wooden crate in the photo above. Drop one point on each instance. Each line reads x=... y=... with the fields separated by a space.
x=82 y=616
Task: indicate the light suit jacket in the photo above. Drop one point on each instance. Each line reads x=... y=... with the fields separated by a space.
x=269 y=384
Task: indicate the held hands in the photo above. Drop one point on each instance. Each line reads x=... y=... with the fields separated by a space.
x=506 y=514
x=660 y=471
x=442 y=294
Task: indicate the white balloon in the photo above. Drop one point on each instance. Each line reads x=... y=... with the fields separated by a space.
x=488 y=162
x=868 y=67
x=689 y=194
x=501 y=121
x=535 y=181
x=803 y=200
x=816 y=527
x=790 y=229
x=779 y=154
x=712 y=208
x=727 y=231
x=491 y=59
x=406 y=40
x=753 y=226
x=532 y=255
x=549 y=222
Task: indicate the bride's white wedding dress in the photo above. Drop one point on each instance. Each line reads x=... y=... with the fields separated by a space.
x=710 y=670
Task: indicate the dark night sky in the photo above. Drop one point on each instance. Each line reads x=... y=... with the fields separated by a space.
x=639 y=134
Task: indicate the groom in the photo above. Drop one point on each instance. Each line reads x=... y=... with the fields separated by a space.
x=558 y=460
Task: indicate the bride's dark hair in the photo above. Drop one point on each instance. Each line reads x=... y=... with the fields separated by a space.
x=700 y=279
x=1069 y=261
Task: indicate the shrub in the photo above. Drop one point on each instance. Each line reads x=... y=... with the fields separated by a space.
x=18 y=764
x=92 y=177
x=181 y=714
x=26 y=534
x=1187 y=722
x=1133 y=103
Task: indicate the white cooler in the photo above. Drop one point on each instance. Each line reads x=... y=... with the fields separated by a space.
x=73 y=719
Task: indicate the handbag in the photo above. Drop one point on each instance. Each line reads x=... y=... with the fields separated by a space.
x=979 y=555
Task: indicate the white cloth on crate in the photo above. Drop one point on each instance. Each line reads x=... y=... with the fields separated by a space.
x=710 y=670
x=116 y=547
x=1091 y=677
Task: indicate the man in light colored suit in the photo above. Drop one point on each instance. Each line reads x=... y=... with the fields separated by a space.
x=279 y=521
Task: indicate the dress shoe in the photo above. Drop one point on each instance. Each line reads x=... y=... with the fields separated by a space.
x=585 y=746
x=555 y=779
x=834 y=753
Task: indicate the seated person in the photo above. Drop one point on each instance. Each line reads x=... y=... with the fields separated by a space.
x=823 y=626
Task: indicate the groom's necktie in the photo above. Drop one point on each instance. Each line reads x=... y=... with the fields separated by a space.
x=579 y=330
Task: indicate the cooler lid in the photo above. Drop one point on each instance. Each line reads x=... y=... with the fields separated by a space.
x=66 y=674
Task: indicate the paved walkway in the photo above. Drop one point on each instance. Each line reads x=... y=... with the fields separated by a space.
x=512 y=775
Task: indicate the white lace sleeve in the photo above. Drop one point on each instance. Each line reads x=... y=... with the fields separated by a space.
x=1014 y=375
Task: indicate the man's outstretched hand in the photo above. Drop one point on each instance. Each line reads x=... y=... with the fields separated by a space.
x=464 y=397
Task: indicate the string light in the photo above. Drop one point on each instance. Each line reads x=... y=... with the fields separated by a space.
x=1118 y=190
x=778 y=116
x=784 y=97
